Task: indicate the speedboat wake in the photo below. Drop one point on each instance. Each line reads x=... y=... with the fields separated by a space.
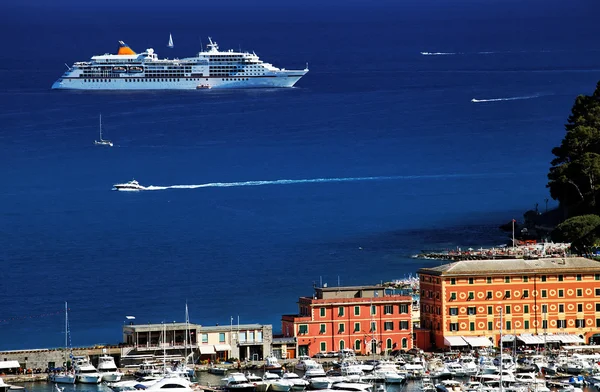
x=474 y=100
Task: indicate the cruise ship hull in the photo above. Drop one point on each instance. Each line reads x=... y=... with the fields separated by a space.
x=142 y=83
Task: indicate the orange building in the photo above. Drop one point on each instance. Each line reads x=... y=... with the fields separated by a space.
x=367 y=319
x=465 y=299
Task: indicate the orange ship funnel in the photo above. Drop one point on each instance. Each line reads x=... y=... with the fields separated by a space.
x=124 y=49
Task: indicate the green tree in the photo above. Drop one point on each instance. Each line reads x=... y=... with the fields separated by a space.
x=581 y=231
x=574 y=178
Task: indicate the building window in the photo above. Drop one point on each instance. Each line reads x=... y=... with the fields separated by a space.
x=561 y=293
x=373 y=309
x=322 y=328
x=471 y=310
x=404 y=325
x=525 y=279
x=322 y=310
x=342 y=345
x=357 y=345
x=452 y=281
x=302 y=329
x=597 y=277
x=598 y=323
x=545 y=324
x=526 y=324
x=470 y=280
x=404 y=343
x=580 y=307
x=388 y=344
x=221 y=337
x=489 y=295
x=507 y=279
x=543 y=278
x=341 y=328
x=580 y=292
x=404 y=308
x=580 y=323
x=453 y=311
x=544 y=293
x=507 y=294
x=323 y=347
x=388 y=309
x=597 y=292
x=560 y=278
x=490 y=326
x=471 y=326
x=488 y=280
x=507 y=309
x=388 y=326
x=525 y=309
x=453 y=327
x=525 y=293
x=204 y=338
x=471 y=295
x=242 y=336
x=508 y=325
x=490 y=310
x=597 y=307
x=453 y=296
x=561 y=308
x=578 y=277
x=561 y=323
x=341 y=311
x=544 y=308
x=357 y=310
x=373 y=326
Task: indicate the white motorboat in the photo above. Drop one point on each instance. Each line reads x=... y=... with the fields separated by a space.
x=172 y=384
x=108 y=369
x=314 y=370
x=130 y=385
x=102 y=142
x=237 y=382
x=147 y=369
x=272 y=364
x=132 y=185
x=456 y=369
x=276 y=383
x=64 y=376
x=320 y=382
x=352 y=386
x=303 y=362
x=7 y=387
x=298 y=383
x=85 y=372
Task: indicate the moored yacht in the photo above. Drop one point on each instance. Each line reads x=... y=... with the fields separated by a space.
x=130 y=385
x=237 y=382
x=132 y=185
x=85 y=372
x=108 y=369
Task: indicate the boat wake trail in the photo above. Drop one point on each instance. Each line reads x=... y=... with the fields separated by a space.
x=438 y=53
x=318 y=180
x=505 y=99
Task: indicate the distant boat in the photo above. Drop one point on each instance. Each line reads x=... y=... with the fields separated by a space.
x=170 y=45
x=132 y=185
x=102 y=142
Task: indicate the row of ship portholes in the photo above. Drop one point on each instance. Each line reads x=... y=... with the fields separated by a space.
x=160 y=80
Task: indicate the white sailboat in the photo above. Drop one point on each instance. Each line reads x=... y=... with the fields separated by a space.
x=64 y=377
x=170 y=45
x=102 y=142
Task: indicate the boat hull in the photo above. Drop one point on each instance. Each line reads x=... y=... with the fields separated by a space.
x=89 y=378
x=62 y=378
x=282 y=79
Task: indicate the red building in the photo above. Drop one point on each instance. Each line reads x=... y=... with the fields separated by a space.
x=367 y=319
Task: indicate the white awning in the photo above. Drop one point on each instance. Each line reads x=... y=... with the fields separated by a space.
x=570 y=339
x=9 y=364
x=454 y=341
x=207 y=349
x=222 y=347
x=478 y=341
x=508 y=338
x=532 y=339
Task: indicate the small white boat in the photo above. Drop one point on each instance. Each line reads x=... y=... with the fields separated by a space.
x=170 y=44
x=130 y=385
x=237 y=382
x=132 y=185
x=297 y=382
x=203 y=86
x=102 y=142
x=108 y=369
x=85 y=372
x=64 y=376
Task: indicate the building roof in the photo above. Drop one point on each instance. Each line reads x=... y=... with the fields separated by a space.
x=514 y=266
x=159 y=327
x=234 y=327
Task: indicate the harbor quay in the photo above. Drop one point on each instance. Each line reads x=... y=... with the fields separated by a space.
x=461 y=305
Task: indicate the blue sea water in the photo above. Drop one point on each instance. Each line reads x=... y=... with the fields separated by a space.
x=448 y=170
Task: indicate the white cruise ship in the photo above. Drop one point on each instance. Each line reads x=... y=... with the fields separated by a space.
x=211 y=68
